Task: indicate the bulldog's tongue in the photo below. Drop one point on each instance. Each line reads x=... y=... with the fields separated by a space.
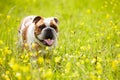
x=49 y=42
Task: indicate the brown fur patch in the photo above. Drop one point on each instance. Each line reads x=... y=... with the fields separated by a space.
x=38 y=26
x=24 y=34
x=54 y=25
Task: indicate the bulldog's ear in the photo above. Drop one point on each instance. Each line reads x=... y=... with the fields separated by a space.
x=36 y=19
x=56 y=20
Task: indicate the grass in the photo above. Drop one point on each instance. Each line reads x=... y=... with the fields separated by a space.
x=88 y=46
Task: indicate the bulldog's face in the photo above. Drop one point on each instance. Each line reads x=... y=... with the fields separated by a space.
x=46 y=30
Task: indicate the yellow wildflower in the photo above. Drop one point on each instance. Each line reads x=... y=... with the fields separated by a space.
x=7 y=72
x=82 y=62
x=118 y=56
x=18 y=76
x=26 y=45
x=8 y=17
x=47 y=60
x=72 y=31
x=82 y=23
x=108 y=37
x=1 y=61
x=57 y=59
x=33 y=45
x=46 y=48
x=107 y=16
x=88 y=11
x=93 y=76
x=28 y=78
x=5 y=76
x=99 y=59
x=25 y=68
x=1 y=14
x=78 y=64
x=114 y=64
x=94 y=60
x=6 y=51
x=117 y=45
x=40 y=60
x=48 y=74
x=87 y=60
x=98 y=65
x=115 y=27
x=68 y=67
x=13 y=65
x=99 y=68
x=1 y=42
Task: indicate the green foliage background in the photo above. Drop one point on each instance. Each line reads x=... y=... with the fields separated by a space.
x=88 y=47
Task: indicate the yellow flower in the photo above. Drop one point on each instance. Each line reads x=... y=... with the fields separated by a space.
x=75 y=74
x=28 y=78
x=107 y=16
x=6 y=51
x=118 y=33
x=26 y=45
x=82 y=62
x=13 y=65
x=18 y=75
x=48 y=74
x=94 y=60
x=99 y=59
x=83 y=48
x=33 y=45
x=99 y=71
x=84 y=56
x=99 y=22
x=99 y=78
x=5 y=76
x=93 y=76
x=82 y=23
x=1 y=14
x=68 y=67
x=7 y=72
x=1 y=61
x=57 y=59
x=40 y=60
x=8 y=17
x=78 y=40
x=115 y=27
x=86 y=60
x=25 y=68
x=47 y=60
x=72 y=31
x=46 y=48
x=98 y=65
x=78 y=64
x=114 y=64
x=118 y=56
x=1 y=42
x=88 y=11
x=99 y=68
x=108 y=37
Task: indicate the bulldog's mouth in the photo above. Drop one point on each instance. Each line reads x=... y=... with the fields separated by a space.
x=47 y=42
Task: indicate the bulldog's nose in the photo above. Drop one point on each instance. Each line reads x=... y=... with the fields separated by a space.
x=49 y=34
x=48 y=30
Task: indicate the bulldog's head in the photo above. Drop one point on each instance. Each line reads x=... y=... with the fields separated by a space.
x=46 y=30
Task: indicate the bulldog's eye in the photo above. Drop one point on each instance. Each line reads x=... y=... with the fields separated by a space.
x=53 y=26
x=42 y=27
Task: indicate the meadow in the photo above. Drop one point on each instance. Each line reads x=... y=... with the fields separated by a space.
x=88 y=43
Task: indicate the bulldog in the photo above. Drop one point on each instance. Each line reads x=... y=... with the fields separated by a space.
x=36 y=33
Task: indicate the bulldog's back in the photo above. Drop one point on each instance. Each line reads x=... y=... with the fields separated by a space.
x=26 y=22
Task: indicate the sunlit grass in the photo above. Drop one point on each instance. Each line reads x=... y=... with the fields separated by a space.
x=88 y=43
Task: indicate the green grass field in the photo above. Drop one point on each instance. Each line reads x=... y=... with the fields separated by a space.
x=88 y=45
